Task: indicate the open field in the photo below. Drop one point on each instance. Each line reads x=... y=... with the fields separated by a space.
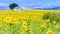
x=30 y=22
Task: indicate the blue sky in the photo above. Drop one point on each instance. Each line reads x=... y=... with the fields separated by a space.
x=32 y=3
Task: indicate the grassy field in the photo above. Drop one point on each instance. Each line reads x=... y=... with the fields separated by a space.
x=30 y=22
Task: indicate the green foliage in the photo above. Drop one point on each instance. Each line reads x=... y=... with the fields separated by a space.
x=13 y=5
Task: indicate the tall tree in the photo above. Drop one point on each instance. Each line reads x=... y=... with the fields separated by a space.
x=13 y=5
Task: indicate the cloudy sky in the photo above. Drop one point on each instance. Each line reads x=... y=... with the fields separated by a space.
x=31 y=3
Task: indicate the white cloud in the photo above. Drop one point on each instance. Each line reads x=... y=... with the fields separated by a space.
x=3 y=4
x=41 y=6
x=32 y=4
x=37 y=7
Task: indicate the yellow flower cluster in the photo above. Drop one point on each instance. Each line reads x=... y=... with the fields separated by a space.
x=49 y=32
x=57 y=25
x=25 y=25
x=28 y=28
x=44 y=26
x=44 y=23
x=22 y=32
x=10 y=20
x=54 y=22
x=0 y=24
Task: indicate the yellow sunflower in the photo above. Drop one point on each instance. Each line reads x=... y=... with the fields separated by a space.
x=24 y=24
x=49 y=32
x=0 y=24
x=8 y=19
x=22 y=32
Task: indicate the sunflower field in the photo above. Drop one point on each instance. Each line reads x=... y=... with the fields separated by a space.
x=30 y=22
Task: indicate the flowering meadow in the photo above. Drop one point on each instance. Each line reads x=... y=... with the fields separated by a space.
x=30 y=22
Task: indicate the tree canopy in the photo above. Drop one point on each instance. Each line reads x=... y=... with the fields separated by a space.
x=13 y=5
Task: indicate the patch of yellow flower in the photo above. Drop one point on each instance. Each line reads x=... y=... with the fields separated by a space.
x=57 y=25
x=44 y=25
x=23 y=17
x=10 y=20
x=34 y=17
x=28 y=28
x=46 y=21
x=49 y=32
x=24 y=24
x=22 y=32
x=0 y=24
x=54 y=22
x=0 y=17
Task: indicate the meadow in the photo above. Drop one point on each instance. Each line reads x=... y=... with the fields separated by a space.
x=30 y=22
